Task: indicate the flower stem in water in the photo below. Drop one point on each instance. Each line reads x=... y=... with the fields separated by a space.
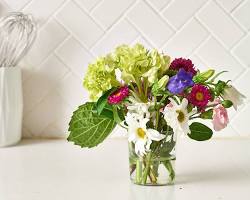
x=170 y=169
x=138 y=171
x=147 y=168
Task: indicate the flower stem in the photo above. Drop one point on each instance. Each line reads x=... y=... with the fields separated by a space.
x=146 y=87
x=138 y=171
x=141 y=94
x=147 y=168
x=152 y=176
x=157 y=120
x=170 y=169
x=156 y=114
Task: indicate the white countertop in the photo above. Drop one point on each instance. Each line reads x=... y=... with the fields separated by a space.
x=58 y=170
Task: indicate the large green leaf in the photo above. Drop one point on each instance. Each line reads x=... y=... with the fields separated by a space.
x=87 y=128
x=200 y=132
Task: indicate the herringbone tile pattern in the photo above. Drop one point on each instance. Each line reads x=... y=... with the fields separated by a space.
x=73 y=32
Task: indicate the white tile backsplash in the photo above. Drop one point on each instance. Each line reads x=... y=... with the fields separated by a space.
x=75 y=56
x=214 y=55
x=242 y=14
x=178 y=12
x=187 y=39
x=44 y=9
x=220 y=24
x=42 y=82
x=159 y=4
x=16 y=4
x=229 y=5
x=46 y=42
x=242 y=50
x=213 y=33
x=109 y=11
x=150 y=23
x=79 y=23
x=88 y=4
x=122 y=33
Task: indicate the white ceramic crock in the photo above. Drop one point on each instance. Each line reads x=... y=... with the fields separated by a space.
x=11 y=105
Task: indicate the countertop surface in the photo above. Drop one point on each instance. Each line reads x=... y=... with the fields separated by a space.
x=58 y=170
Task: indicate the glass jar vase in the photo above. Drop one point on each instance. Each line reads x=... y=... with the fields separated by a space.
x=157 y=166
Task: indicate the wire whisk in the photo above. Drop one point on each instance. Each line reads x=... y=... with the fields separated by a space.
x=17 y=34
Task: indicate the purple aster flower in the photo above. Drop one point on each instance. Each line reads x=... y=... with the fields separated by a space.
x=178 y=83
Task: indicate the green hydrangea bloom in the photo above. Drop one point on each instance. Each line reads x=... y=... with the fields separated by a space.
x=133 y=60
x=136 y=62
x=162 y=62
x=100 y=77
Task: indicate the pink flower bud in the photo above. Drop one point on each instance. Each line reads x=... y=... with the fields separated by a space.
x=220 y=118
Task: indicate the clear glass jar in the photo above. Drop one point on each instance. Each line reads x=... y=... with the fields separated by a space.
x=157 y=167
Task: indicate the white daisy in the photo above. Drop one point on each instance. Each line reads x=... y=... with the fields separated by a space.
x=140 y=135
x=139 y=109
x=177 y=116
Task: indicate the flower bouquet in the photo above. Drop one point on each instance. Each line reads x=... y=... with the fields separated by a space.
x=155 y=100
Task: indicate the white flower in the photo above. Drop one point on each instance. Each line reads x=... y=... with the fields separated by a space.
x=140 y=135
x=139 y=109
x=232 y=94
x=177 y=116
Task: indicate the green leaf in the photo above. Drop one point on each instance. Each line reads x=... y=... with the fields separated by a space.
x=190 y=107
x=200 y=132
x=116 y=115
x=220 y=87
x=87 y=128
x=166 y=148
x=102 y=101
x=107 y=112
x=217 y=75
x=227 y=103
x=207 y=114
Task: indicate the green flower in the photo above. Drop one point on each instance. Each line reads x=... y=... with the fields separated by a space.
x=159 y=65
x=100 y=77
x=134 y=61
x=137 y=62
x=162 y=62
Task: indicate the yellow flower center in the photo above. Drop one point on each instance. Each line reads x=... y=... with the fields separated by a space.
x=199 y=96
x=141 y=133
x=181 y=116
x=117 y=94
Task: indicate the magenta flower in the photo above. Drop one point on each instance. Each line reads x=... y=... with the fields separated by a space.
x=118 y=95
x=182 y=63
x=199 y=96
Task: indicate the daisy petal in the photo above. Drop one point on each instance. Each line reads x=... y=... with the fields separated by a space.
x=149 y=142
x=173 y=102
x=140 y=147
x=154 y=135
x=143 y=123
x=184 y=103
x=131 y=137
x=130 y=120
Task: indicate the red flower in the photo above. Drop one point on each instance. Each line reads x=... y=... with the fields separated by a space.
x=182 y=63
x=199 y=96
x=118 y=95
